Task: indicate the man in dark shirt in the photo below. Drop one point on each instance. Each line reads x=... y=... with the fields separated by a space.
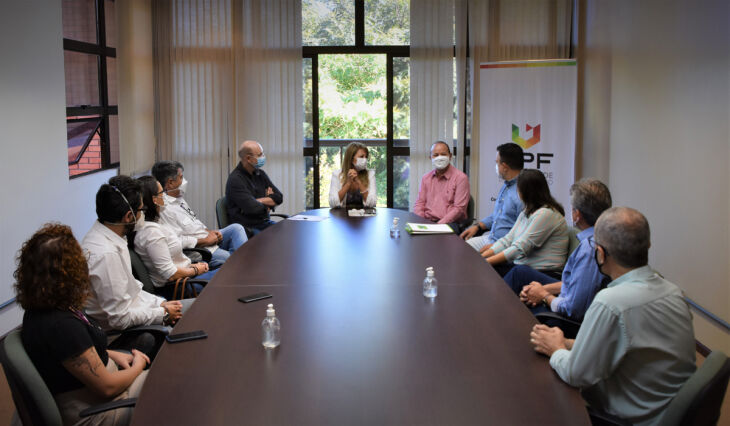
x=250 y=195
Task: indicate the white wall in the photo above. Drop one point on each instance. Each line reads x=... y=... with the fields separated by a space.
x=655 y=110
x=36 y=188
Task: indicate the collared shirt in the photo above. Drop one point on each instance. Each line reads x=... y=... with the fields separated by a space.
x=336 y=185
x=444 y=198
x=506 y=210
x=581 y=279
x=160 y=249
x=635 y=348
x=179 y=217
x=242 y=190
x=116 y=300
x=540 y=241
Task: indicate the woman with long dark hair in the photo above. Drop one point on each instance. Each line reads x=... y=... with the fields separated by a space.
x=69 y=349
x=160 y=248
x=539 y=237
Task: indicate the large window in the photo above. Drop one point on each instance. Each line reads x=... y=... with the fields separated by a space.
x=356 y=88
x=90 y=65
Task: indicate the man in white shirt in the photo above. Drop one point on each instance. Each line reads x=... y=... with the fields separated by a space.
x=117 y=300
x=636 y=347
x=182 y=219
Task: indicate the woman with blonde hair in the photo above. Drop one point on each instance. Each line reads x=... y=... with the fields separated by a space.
x=354 y=185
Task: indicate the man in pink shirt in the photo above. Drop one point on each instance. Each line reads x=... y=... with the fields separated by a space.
x=444 y=192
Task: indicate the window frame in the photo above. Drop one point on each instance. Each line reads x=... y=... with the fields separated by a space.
x=391 y=151
x=103 y=110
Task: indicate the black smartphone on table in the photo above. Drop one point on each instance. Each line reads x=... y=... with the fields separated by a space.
x=254 y=297
x=184 y=337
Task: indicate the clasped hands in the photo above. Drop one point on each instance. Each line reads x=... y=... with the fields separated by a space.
x=532 y=294
x=174 y=310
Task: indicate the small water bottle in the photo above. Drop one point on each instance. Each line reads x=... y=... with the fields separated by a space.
x=394 y=231
x=270 y=329
x=430 y=284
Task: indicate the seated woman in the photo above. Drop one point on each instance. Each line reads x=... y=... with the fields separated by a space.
x=160 y=248
x=68 y=348
x=354 y=185
x=539 y=237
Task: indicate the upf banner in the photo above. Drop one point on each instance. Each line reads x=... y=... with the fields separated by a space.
x=533 y=104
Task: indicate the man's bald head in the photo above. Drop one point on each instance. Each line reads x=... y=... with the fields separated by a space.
x=249 y=148
x=624 y=233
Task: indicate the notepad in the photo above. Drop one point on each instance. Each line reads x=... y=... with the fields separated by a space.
x=428 y=228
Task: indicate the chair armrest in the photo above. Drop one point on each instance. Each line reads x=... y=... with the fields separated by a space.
x=570 y=327
x=204 y=253
x=281 y=215
x=599 y=418
x=112 y=405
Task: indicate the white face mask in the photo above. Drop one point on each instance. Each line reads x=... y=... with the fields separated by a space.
x=496 y=170
x=183 y=187
x=139 y=224
x=440 y=162
x=361 y=163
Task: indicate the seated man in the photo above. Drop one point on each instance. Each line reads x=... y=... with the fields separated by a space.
x=581 y=278
x=444 y=192
x=117 y=300
x=178 y=215
x=636 y=346
x=510 y=162
x=250 y=195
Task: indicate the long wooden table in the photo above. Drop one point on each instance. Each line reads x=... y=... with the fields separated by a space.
x=360 y=345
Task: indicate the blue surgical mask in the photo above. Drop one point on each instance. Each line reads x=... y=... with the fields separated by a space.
x=260 y=162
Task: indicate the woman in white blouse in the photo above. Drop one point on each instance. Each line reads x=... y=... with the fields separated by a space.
x=354 y=185
x=160 y=248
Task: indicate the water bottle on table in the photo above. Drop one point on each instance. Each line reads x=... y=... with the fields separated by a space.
x=394 y=231
x=430 y=284
x=270 y=329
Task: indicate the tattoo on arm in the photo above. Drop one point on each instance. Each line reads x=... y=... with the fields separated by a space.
x=81 y=362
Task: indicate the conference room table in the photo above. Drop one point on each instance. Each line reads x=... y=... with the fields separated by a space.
x=360 y=345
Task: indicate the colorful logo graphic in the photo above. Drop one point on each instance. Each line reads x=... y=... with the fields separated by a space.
x=521 y=141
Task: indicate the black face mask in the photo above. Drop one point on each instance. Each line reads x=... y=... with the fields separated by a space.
x=606 y=278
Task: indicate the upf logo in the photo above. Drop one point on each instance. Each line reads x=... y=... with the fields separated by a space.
x=521 y=141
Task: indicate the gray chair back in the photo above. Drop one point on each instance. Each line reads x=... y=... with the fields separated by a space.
x=140 y=272
x=33 y=401
x=221 y=213
x=699 y=400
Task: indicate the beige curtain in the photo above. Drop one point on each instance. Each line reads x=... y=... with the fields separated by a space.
x=432 y=83
x=208 y=53
x=502 y=30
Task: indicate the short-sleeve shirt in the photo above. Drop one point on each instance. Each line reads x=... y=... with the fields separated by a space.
x=53 y=336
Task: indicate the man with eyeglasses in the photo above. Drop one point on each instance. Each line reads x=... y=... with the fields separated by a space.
x=179 y=216
x=636 y=346
x=117 y=299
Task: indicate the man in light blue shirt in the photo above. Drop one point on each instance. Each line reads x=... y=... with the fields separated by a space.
x=636 y=346
x=509 y=163
x=581 y=279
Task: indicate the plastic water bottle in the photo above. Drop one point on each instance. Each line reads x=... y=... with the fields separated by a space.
x=430 y=284
x=394 y=231
x=270 y=329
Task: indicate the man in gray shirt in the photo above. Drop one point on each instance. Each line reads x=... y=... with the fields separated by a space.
x=636 y=346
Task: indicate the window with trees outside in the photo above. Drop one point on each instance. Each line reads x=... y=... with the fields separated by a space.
x=90 y=64
x=356 y=73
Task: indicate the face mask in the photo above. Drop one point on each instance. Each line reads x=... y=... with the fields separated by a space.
x=182 y=188
x=260 y=162
x=496 y=170
x=139 y=223
x=360 y=163
x=595 y=257
x=440 y=162
x=161 y=205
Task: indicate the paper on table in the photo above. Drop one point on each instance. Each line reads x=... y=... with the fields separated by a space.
x=308 y=218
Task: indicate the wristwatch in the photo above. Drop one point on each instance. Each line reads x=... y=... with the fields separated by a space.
x=166 y=318
x=545 y=301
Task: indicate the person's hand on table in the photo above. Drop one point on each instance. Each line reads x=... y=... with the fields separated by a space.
x=546 y=340
x=469 y=232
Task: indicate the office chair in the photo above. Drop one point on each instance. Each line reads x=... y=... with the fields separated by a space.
x=698 y=401
x=139 y=270
x=469 y=221
x=221 y=216
x=33 y=401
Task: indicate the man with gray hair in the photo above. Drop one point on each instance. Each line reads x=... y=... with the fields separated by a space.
x=250 y=195
x=581 y=279
x=636 y=346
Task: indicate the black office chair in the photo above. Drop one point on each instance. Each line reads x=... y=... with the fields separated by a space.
x=221 y=215
x=469 y=221
x=698 y=402
x=139 y=270
x=33 y=401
